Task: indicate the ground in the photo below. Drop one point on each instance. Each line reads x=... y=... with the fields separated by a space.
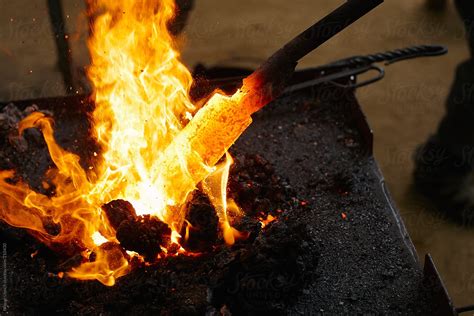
x=403 y=109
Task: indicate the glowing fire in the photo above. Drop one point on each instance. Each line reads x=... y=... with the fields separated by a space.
x=157 y=145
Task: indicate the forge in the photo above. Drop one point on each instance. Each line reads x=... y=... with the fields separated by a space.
x=332 y=241
x=225 y=191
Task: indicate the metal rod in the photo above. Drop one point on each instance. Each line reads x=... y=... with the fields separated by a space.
x=320 y=32
x=271 y=77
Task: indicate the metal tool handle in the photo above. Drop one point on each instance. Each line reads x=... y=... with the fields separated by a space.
x=269 y=80
x=324 y=29
x=390 y=57
x=357 y=65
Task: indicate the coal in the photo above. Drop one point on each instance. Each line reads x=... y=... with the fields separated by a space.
x=112 y=249
x=340 y=263
x=145 y=235
x=200 y=231
x=51 y=227
x=9 y=119
x=118 y=211
x=14 y=236
x=18 y=149
x=254 y=185
x=250 y=226
x=274 y=268
x=69 y=263
x=10 y=116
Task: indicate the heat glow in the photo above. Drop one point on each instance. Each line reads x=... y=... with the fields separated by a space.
x=156 y=144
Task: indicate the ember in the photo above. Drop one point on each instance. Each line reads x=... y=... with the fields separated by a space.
x=137 y=191
x=160 y=173
x=294 y=260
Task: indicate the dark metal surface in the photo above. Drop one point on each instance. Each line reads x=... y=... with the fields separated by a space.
x=432 y=280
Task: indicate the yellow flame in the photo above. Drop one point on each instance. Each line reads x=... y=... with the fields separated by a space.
x=108 y=265
x=152 y=154
x=215 y=186
x=98 y=239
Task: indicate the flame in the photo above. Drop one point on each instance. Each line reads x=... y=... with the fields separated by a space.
x=156 y=144
x=98 y=239
x=265 y=221
x=215 y=186
x=141 y=94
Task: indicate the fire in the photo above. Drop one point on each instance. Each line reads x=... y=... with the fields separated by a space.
x=157 y=145
x=266 y=221
x=215 y=186
x=141 y=94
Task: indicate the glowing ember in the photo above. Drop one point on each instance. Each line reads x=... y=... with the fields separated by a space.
x=156 y=145
x=265 y=221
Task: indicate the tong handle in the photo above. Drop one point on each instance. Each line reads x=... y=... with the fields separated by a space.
x=357 y=65
x=390 y=57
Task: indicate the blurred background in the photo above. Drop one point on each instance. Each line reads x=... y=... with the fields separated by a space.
x=403 y=109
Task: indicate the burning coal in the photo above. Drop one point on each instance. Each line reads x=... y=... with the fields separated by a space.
x=157 y=146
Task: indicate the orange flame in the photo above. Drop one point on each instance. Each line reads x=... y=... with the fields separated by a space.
x=155 y=151
x=141 y=93
x=215 y=186
x=264 y=222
